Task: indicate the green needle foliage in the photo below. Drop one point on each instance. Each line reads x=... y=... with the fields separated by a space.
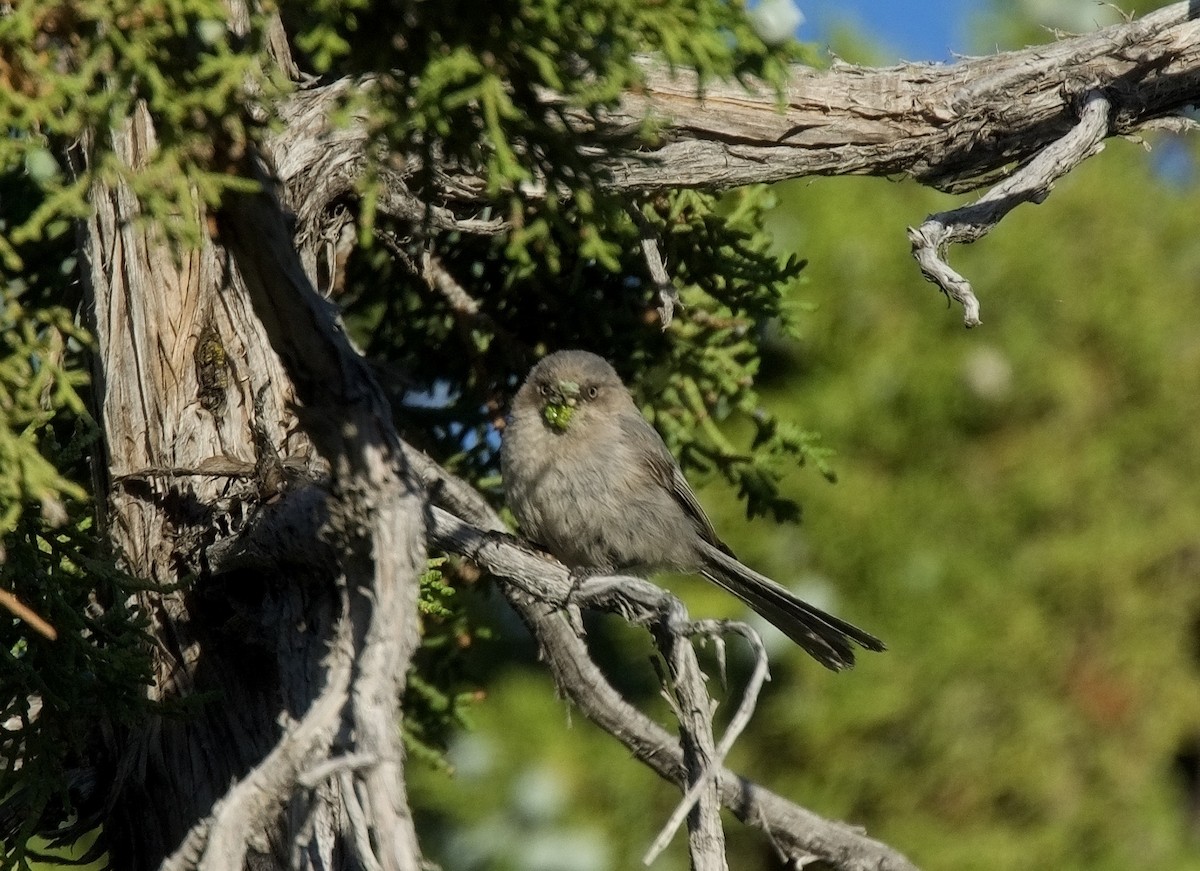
x=71 y=70
x=60 y=697
x=469 y=89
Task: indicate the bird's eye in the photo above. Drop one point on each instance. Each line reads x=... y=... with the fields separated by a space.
x=593 y=392
x=544 y=390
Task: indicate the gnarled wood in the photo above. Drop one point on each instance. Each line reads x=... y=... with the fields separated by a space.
x=280 y=669
x=951 y=126
x=162 y=316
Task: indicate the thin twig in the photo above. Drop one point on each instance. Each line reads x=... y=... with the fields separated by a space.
x=1032 y=183
x=738 y=723
x=668 y=294
x=318 y=774
x=35 y=621
x=359 y=827
x=694 y=712
x=438 y=277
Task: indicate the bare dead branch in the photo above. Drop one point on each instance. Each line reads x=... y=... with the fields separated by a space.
x=694 y=711
x=537 y=587
x=433 y=272
x=954 y=126
x=799 y=834
x=318 y=774
x=684 y=688
x=1032 y=183
x=714 y=629
x=668 y=295
x=439 y=278
x=360 y=827
x=1176 y=124
x=951 y=126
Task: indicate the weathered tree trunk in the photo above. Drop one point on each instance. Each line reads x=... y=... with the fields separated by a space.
x=202 y=444
x=180 y=358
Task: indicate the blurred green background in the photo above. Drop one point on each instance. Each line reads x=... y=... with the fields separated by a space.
x=1017 y=514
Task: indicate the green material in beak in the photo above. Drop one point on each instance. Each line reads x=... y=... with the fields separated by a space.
x=558 y=414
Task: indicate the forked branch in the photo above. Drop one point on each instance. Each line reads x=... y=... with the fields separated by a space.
x=1032 y=183
x=538 y=588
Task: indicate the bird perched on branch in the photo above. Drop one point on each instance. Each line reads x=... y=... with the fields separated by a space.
x=591 y=480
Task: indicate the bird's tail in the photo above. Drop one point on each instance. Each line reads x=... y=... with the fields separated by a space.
x=824 y=637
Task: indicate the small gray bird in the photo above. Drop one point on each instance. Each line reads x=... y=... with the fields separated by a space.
x=589 y=479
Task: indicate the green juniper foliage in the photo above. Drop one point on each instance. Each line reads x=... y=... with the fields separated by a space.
x=433 y=705
x=63 y=693
x=70 y=70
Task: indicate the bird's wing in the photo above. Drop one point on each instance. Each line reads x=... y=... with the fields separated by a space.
x=667 y=472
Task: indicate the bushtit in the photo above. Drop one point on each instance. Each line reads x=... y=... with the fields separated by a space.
x=590 y=480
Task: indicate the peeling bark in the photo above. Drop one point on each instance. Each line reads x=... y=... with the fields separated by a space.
x=191 y=386
x=955 y=127
x=152 y=303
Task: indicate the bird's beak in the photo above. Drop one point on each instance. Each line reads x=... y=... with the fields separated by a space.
x=568 y=392
x=559 y=408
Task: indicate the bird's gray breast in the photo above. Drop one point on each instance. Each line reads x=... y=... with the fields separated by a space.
x=590 y=497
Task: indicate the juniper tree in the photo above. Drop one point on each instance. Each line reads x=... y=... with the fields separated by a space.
x=224 y=511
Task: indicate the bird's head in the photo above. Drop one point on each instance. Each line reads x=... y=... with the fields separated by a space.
x=571 y=385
